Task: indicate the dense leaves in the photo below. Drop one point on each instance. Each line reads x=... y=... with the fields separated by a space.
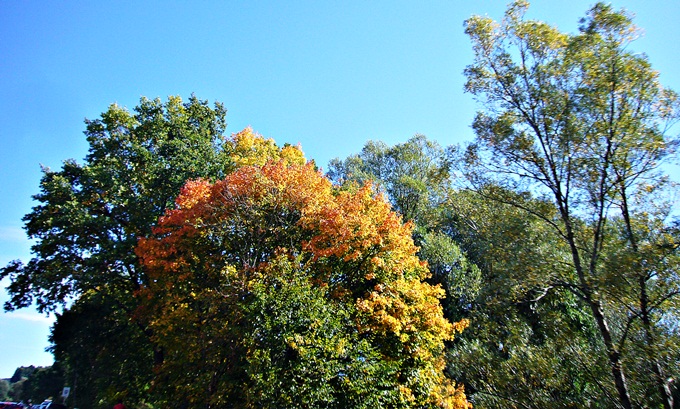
x=90 y=216
x=31 y=384
x=276 y=289
x=190 y=269
x=581 y=121
x=417 y=178
x=415 y=175
x=86 y=224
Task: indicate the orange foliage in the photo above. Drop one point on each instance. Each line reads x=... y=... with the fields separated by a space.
x=358 y=226
x=351 y=238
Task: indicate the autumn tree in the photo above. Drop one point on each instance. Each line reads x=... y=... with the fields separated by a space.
x=581 y=122
x=274 y=288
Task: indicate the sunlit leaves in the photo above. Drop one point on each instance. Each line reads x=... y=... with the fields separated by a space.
x=580 y=121
x=305 y=283
x=252 y=149
x=86 y=222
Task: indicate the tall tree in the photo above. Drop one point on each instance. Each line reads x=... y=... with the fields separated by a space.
x=581 y=121
x=277 y=289
x=89 y=217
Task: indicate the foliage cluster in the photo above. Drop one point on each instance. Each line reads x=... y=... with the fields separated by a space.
x=200 y=270
x=230 y=262
x=277 y=289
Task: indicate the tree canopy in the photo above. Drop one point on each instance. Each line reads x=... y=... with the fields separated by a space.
x=275 y=288
x=258 y=272
x=535 y=267
x=89 y=216
x=86 y=223
x=581 y=121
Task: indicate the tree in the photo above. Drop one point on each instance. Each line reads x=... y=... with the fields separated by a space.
x=45 y=382
x=414 y=175
x=89 y=217
x=528 y=345
x=22 y=372
x=274 y=288
x=649 y=264
x=16 y=391
x=4 y=389
x=417 y=179
x=100 y=371
x=581 y=122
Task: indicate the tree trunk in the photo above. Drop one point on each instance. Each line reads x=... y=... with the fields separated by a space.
x=664 y=390
x=613 y=354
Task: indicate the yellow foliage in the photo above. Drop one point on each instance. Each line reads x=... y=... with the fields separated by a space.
x=351 y=239
x=251 y=149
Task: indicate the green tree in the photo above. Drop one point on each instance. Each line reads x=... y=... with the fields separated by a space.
x=649 y=264
x=529 y=344
x=87 y=222
x=4 y=389
x=16 y=391
x=415 y=175
x=102 y=371
x=21 y=373
x=90 y=216
x=43 y=383
x=581 y=121
x=417 y=178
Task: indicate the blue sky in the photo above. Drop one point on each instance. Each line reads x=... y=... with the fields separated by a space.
x=328 y=75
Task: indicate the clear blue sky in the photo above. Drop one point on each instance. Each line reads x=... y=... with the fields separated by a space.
x=328 y=75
